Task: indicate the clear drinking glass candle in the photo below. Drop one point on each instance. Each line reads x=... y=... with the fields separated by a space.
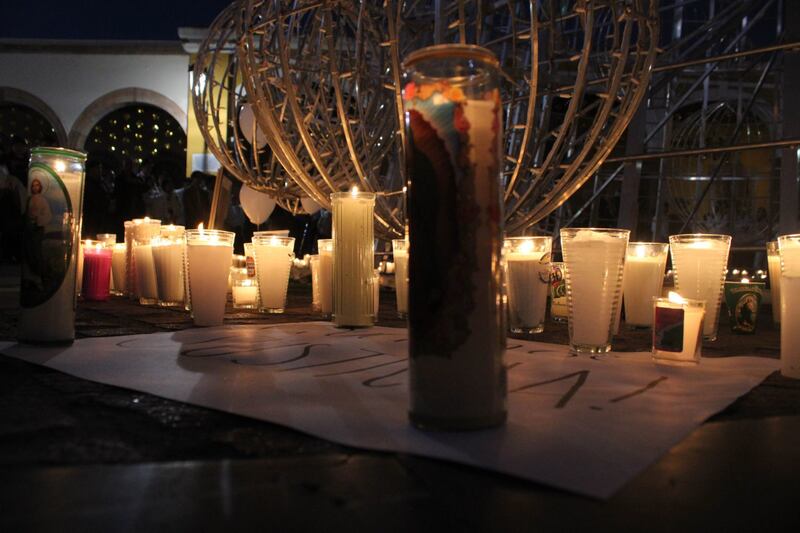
x=774 y=269
x=168 y=262
x=528 y=281
x=645 y=263
x=325 y=247
x=700 y=261
x=208 y=254
x=144 y=230
x=273 y=257
x=594 y=260
x=400 y=251
x=790 y=304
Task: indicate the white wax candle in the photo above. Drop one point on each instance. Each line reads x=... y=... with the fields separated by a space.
x=700 y=274
x=774 y=268
x=118 y=267
x=209 y=263
x=376 y=292
x=353 y=258
x=326 y=277
x=168 y=261
x=273 y=257
x=790 y=317
x=145 y=273
x=643 y=279
x=669 y=323
x=245 y=294
x=400 y=267
x=528 y=279
x=79 y=267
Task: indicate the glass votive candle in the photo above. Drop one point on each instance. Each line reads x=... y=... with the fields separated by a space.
x=700 y=261
x=244 y=290
x=528 y=282
x=594 y=259
x=96 y=271
x=743 y=299
x=208 y=259
x=677 y=329
x=119 y=268
x=313 y=263
x=325 y=247
x=168 y=262
x=273 y=257
x=400 y=250
x=790 y=305
x=774 y=269
x=559 y=311
x=645 y=263
x=144 y=230
x=130 y=265
x=109 y=239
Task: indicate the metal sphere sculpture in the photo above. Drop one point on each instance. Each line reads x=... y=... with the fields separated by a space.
x=325 y=79
x=226 y=118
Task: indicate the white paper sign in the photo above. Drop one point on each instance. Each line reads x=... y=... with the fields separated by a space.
x=587 y=425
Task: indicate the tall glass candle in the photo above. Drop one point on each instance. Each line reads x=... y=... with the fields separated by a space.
x=774 y=269
x=313 y=264
x=353 y=258
x=96 y=271
x=130 y=265
x=109 y=239
x=700 y=261
x=144 y=230
x=454 y=133
x=79 y=277
x=677 y=329
x=325 y=247
x=790 y=305
x=274 y=257
x=51 y=238
x=594 y=260
x=645 y=263
x=208 y=259
x=400 y=252
x=169 y=261
x=528 y=282
x=118 y=268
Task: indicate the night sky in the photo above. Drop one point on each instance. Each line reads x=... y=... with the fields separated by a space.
x=104 y=19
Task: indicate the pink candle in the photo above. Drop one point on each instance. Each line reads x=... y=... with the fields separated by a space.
x=96 y=272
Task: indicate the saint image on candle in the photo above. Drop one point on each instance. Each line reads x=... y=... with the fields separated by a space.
x=677 y=329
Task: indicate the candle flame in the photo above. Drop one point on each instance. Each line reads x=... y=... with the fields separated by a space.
x=146 y=220
x=641 y=251
x=98 y=246
x=354 y=190
x=526 y=246
x=171 y=227
x=676 y=298
x=60 y=166
x=200 y=229
x=745 y=280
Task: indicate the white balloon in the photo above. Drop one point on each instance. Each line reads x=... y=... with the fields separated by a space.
x=309 y=205
x=258 y=206
x=246 y=121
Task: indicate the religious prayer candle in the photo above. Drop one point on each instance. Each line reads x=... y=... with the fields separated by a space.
x=51 y=237
x=528 y=282
x=209 y=254
x=118 y=268
x=594 y=260
x=774 y=269
x=743 y=298
x=645 y=263
x=677 y=330
x=454 y=128
x=273 y=257
x=144 y=230
x=700 y=261
x=96 y=271
x=559 y=310
x=400 y=268
x=325 y=247
x=790 y=305
x=353 y=258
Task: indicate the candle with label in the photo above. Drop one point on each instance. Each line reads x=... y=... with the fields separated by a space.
x=144 y=230
x=700 y=262
x=643 y=280
x=743 y=299
x=273 y=257
x=325 y=247
x=400 y=267
x=208 y=254
x=528 y=282
x=559 y=311
x=96 y=271
x=118 y=268
x=353 y=258
x=677 y=330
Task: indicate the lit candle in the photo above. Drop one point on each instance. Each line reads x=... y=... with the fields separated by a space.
x=313 y=262
x=353 y=258
x=118 y=267
x=376 y=293
x=274 y=257
x=130 y=265
x=168 y=263
x=209 y=254
x=774 y=268
x=558 y=293
x=144 y=230
x=400 y=268
x=700 y=261
x=96 y=271
x=677 y=330
x=245 y=293
x=528 y=281
x=79 y=269
x=645 y=263
x=790 y=305
x=325 y=247
x=743 y=298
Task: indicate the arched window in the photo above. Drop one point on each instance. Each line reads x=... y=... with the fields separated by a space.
x=21 y=121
